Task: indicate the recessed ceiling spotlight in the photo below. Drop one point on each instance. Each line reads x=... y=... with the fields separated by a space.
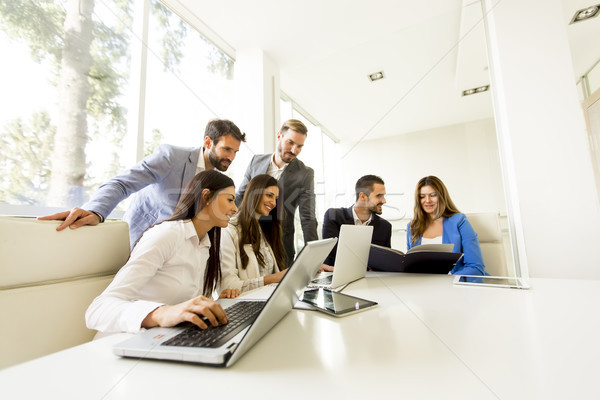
x=585 y=13
x=479 y=89
x=375 y=76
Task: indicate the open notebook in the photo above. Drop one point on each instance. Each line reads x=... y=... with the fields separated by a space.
x=423 y=259
x=222 y=345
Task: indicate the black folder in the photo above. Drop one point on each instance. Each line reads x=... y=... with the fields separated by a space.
x=420 y=261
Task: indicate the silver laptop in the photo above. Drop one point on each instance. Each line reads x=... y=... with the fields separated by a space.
x=187 y=343
x=351 y=258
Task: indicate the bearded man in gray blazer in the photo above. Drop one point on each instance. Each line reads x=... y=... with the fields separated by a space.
x=157 y=181
x=296 y=183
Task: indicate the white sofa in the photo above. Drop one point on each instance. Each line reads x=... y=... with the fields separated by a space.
x=47 y=281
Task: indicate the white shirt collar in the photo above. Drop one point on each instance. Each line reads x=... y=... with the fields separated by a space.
x=274 y=170
x=201 y=166
x=190 y=232
x=357 y=220
x=275 y=165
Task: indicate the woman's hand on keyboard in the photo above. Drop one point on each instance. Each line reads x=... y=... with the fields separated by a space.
x=197 y=311
x=230 y=293
x=325 y=268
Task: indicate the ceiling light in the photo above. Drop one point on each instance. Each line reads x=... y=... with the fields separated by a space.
x=479 y=89
x=376 y=76
x=585 y=13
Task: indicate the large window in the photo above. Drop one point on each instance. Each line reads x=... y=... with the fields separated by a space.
x=70 y=117
x=63 y=118
x=190 y=81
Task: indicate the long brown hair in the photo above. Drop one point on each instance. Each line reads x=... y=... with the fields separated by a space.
x=445 y=208
x=250 y=226
x=190 y=204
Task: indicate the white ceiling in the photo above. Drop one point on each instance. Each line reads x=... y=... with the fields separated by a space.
x=583 y=36
x=429 y=51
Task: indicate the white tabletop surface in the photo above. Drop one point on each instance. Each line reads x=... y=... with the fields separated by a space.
x=427 y=339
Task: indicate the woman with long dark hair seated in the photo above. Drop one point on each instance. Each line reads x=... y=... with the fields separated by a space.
x=437 y=220
x=252 y=252
x=174 y=268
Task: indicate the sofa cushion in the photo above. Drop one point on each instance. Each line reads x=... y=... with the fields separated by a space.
x=40 y=320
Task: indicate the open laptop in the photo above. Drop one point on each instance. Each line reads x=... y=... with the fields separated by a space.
x=168 y=343
x=351 y=258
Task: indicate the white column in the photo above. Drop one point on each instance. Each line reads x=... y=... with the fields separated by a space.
x=257 y=97
x=544 y=149
x=137 y=82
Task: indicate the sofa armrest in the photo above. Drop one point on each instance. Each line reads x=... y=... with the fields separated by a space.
x=47 y=281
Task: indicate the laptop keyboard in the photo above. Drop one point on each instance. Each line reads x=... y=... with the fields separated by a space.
x=240 y=315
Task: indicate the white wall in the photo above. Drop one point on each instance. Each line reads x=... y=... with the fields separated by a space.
x=257 y=105
x=464 y=156
x=544 y=139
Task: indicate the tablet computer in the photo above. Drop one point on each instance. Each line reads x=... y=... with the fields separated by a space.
x=495 y=281
x=335 y=303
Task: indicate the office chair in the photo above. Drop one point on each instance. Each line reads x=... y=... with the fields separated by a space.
x=487 y=226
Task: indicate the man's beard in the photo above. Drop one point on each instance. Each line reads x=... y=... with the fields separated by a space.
x=285 y=157
x=216 y=161
x=375 y=208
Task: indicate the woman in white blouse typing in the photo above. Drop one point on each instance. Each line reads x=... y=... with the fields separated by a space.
x=252 y=248
x=174 y=268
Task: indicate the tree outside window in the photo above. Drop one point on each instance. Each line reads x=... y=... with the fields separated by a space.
x=65 y=88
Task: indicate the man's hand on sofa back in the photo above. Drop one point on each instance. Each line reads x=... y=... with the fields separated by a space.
x=74 y=218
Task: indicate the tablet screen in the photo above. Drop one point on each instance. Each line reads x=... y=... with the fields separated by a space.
x=491 y=281
x=334 y=302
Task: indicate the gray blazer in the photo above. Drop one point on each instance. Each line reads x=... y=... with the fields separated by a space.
x=296 y=190
x=157 y=180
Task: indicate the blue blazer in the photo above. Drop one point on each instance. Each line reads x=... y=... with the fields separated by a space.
x=458 y=231
x=157 y=180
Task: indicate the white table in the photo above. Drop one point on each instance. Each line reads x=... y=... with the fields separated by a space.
x=427 y=339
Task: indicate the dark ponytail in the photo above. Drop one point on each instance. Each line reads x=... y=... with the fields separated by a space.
x=189 y=205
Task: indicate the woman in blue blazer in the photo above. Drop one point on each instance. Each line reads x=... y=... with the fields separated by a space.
x=437 y=220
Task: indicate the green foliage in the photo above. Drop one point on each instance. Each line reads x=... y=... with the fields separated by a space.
x=173 y=31
x=152 y=144
x=26 y=149
x=110 y=71
x=108 y=75
x=218 y=62
x=39 y=22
